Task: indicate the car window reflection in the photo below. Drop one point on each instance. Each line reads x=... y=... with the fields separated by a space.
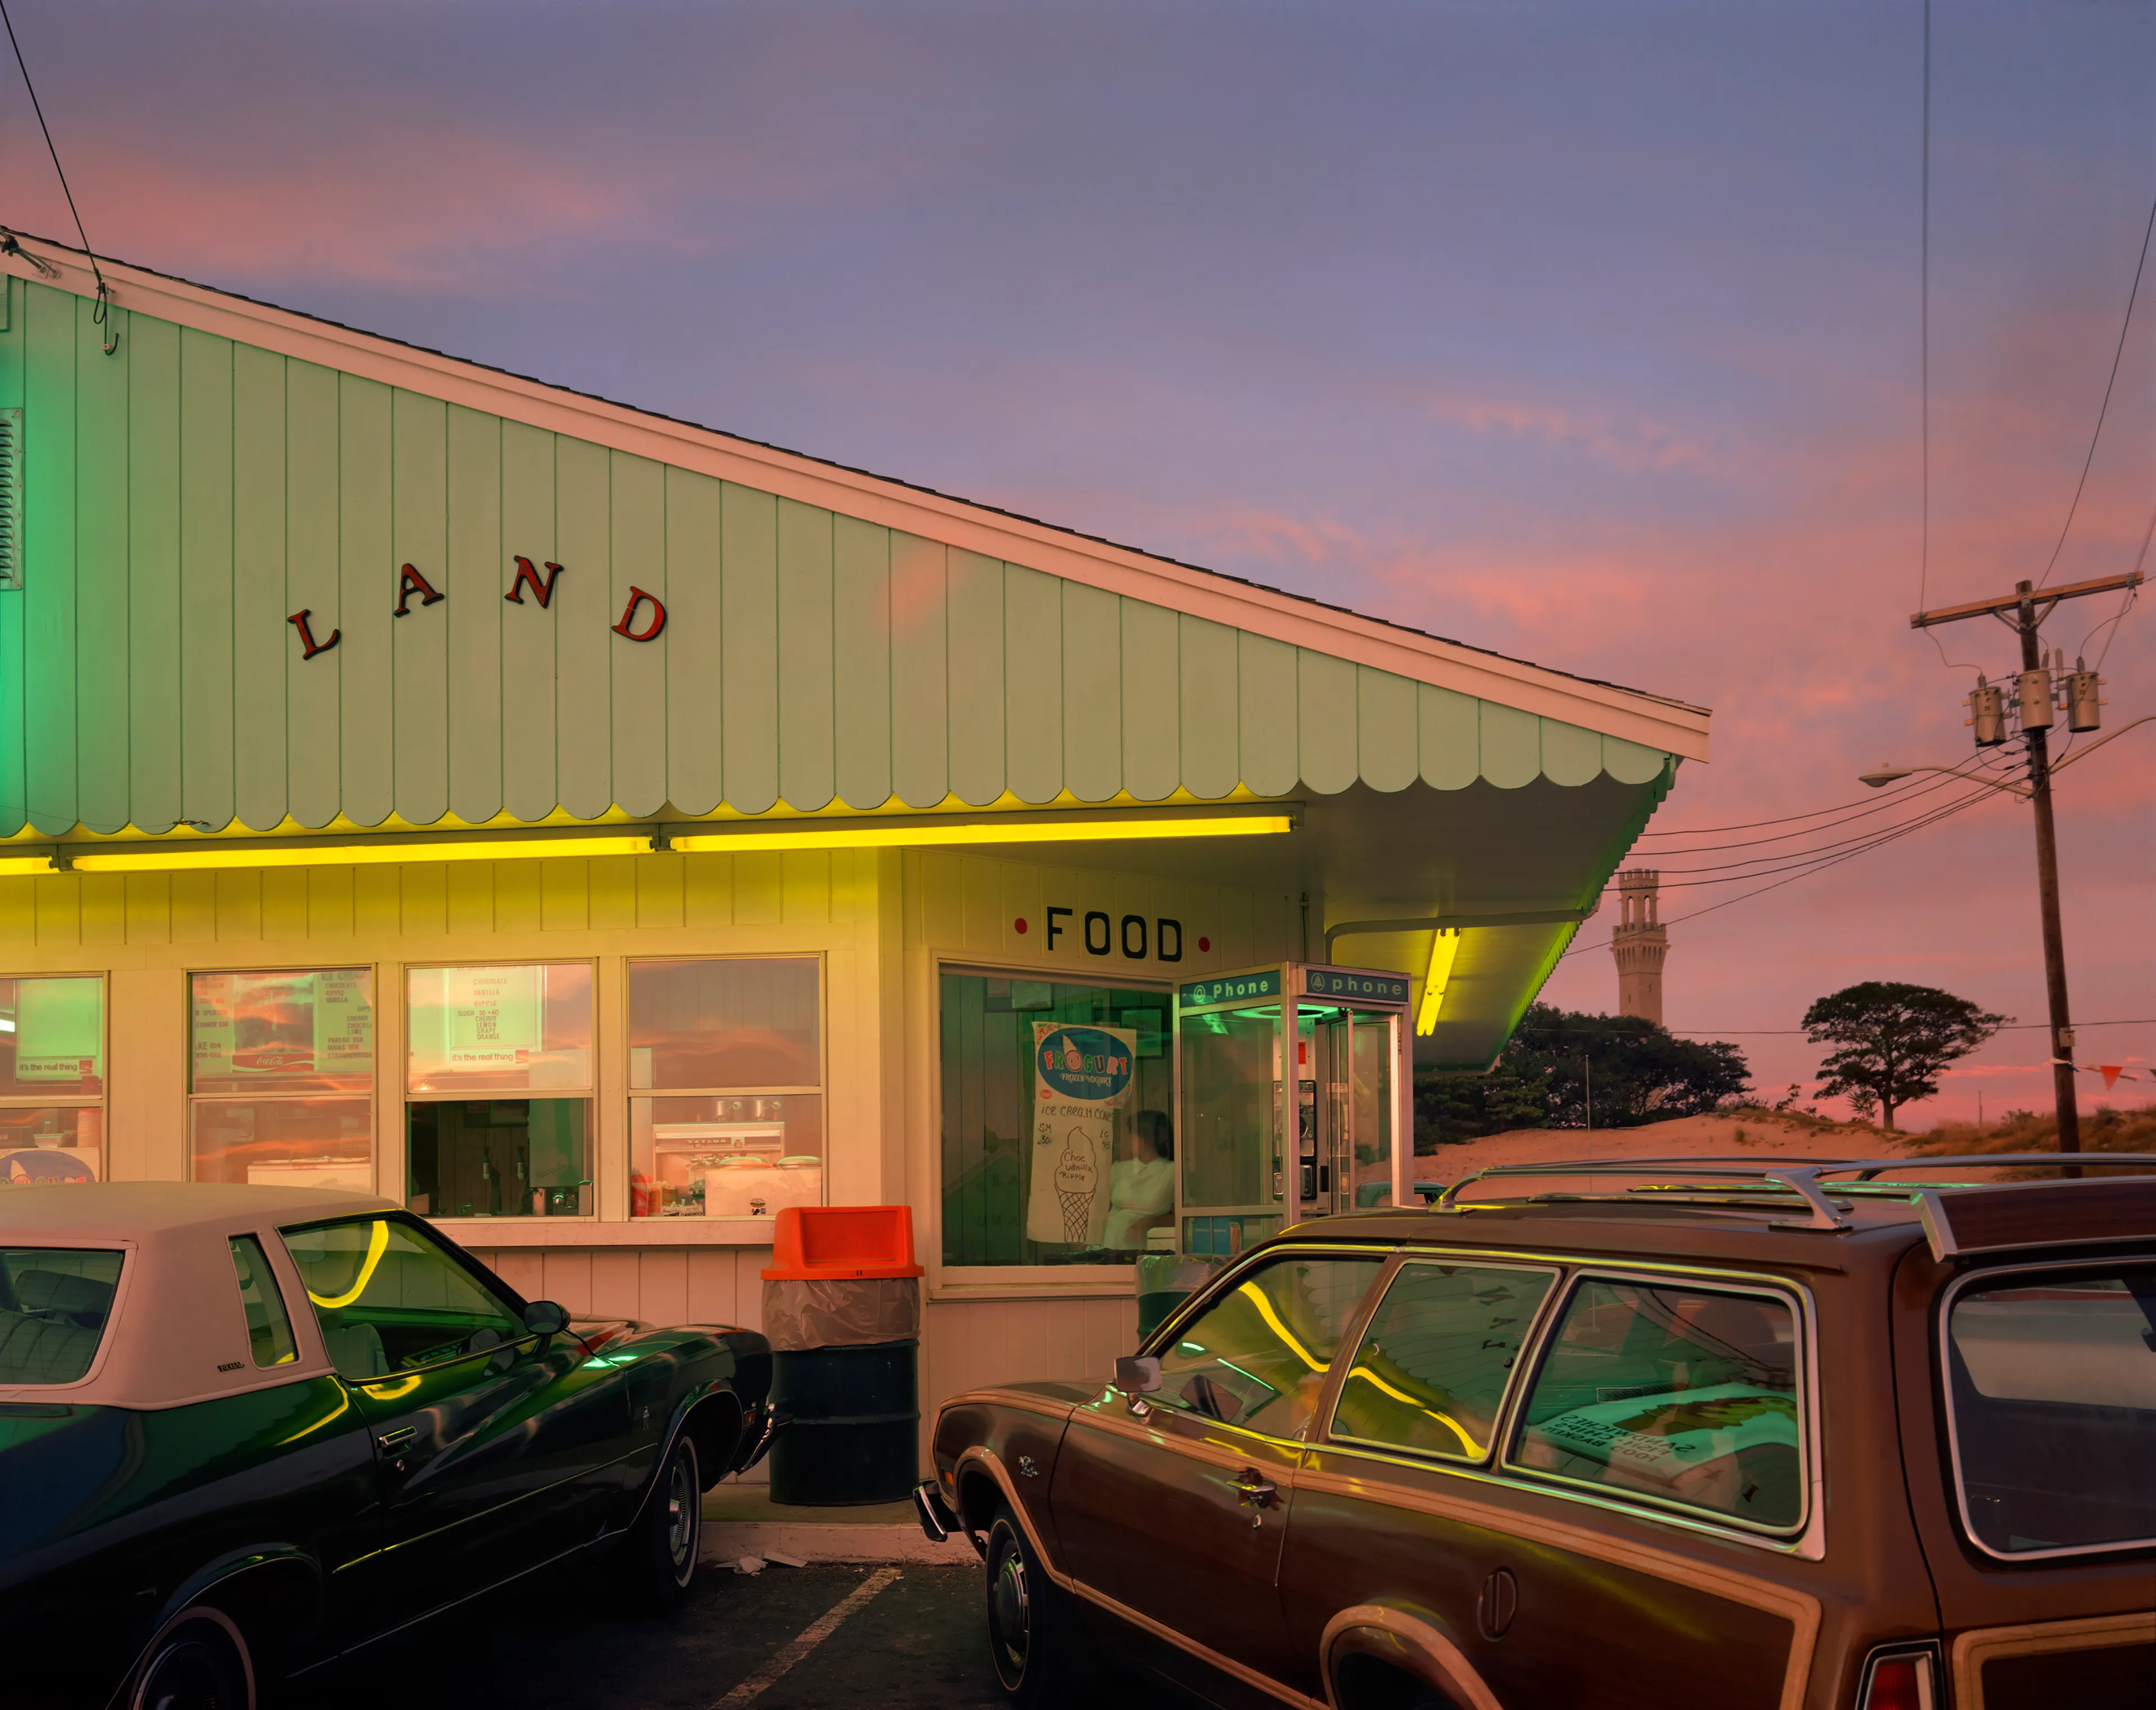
x=389 y=1300
x=1258 y=1356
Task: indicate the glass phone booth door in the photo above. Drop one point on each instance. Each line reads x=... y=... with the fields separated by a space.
x=1294 y=1092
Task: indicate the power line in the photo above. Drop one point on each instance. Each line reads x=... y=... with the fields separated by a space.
x=101 y=315
x=2104 y=408
x=1833 y=861
x=1786 y=819
x=1903 y=799
x=1825 y=857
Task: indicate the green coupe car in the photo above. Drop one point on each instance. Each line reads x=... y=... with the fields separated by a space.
x=245 y=1430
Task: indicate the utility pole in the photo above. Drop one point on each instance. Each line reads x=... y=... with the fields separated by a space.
x=2034 y=692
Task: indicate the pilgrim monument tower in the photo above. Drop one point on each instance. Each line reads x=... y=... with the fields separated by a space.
x=1639 y=944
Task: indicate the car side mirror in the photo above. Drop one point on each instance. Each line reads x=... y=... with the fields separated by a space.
x=1137 y=1375
x=546 y=1318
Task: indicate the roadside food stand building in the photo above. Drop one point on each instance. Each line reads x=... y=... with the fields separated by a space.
x=597 y=831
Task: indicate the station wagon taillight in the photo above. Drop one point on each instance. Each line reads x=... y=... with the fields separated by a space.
x=1899 y=1679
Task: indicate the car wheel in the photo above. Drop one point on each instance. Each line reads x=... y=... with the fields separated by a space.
x=670 y=1530
x=195 y=1667
x=1032 y=1627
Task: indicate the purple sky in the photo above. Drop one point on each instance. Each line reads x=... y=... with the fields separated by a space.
x=1588 y=332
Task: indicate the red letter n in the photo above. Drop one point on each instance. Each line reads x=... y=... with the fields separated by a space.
x=525 y=574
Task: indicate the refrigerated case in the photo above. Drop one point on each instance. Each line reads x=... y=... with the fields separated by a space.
x=1255 y=1157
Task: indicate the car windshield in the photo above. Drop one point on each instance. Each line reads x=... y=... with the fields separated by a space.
x=54 y=1305
x=2053 y=1381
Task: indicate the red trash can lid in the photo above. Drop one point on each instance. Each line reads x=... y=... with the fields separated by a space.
x=824 y=1243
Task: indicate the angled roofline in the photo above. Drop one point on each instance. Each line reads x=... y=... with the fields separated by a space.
x=1630 y=715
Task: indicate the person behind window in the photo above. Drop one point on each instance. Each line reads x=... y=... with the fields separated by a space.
x=1142 y=1187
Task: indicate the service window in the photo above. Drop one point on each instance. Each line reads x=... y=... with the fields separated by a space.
x=1673 y=1394
x=389 y=1300
x=1258 y=1355
x=1430 y=1374
x=726 y=1075
x=498 y=1090
x=52 y=1079
x=2051 y=1377
x=1058 y=1144
x=280 y=1077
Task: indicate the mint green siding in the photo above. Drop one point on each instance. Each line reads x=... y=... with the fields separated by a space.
x=186 y=496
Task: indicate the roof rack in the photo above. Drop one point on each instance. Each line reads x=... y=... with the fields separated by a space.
x=1802 y=1177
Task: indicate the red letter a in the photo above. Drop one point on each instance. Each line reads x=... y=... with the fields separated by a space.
x=525 y=574
x=411 y=582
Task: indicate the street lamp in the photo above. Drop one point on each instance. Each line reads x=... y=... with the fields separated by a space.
x=1887 y=772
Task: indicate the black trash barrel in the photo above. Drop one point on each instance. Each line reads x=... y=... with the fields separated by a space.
x=854 y=1434
x=842 y=1313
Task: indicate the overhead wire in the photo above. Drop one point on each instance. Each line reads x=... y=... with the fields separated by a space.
x=1967 y=802
x=1902 y=800
x=101 y=315
x=1786 y=819
x=2103 y=409
x=1833 y=852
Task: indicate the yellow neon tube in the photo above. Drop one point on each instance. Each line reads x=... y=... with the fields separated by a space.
x=1451 y=1425
x=916 y=834
x=377 y=1244
x=1444 y=952
x=24 y=866
x=1272 y=1318
x=155 y=860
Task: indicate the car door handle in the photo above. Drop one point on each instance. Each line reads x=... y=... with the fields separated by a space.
x=399 y=1438
x=1253 y=1489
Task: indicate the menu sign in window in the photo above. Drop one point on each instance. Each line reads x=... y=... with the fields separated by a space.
x=493 y=1016
x=59 y=1029
x=264 y=1028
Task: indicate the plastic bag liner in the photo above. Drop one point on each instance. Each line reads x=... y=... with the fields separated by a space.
x=805 y=1312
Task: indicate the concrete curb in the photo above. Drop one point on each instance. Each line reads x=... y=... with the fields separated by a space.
x=726 y=1541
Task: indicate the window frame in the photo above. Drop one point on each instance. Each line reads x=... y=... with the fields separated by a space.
x=190 y=1098
x=1802 y=1344
x=1942 y=1334
x=631 y=1092
x=1022 y=1282
x=1809 y=1545
x=589 y=1093
x=1526 y=1359
x=102 y=1102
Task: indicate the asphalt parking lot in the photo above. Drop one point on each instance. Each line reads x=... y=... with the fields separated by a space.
x=914 y=1641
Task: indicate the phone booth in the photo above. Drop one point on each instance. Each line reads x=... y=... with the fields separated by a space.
x=1296 y=1099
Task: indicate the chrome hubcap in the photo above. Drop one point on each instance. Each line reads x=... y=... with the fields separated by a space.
x=1010 y=1610
x=680 y=1518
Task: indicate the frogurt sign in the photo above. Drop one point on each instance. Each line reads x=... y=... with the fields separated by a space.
x=1081 y=1087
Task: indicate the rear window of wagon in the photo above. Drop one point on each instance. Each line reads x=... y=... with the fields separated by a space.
x=54 y=1302
x=2052 y=1381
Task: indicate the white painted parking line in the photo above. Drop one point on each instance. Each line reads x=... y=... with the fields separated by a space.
x=814 y=1633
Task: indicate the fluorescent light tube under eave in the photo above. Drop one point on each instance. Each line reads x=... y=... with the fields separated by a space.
x=24 y=866
x=917 y=835
x=346 y=855
x=1444 y=951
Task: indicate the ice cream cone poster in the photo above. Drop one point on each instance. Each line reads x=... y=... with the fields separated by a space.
x=1081 y=1087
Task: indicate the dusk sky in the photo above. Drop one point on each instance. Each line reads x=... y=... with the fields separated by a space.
x=1586 y=332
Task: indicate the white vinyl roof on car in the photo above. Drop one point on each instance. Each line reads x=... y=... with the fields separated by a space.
x=176 y=1333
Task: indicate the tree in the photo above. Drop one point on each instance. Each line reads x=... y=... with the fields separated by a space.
x=1639 y=1072
x=1894 y=1038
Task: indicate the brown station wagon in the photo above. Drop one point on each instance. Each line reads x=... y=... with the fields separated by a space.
x=1650 y=1432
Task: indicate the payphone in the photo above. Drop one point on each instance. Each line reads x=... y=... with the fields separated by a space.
x=1296 y=1084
